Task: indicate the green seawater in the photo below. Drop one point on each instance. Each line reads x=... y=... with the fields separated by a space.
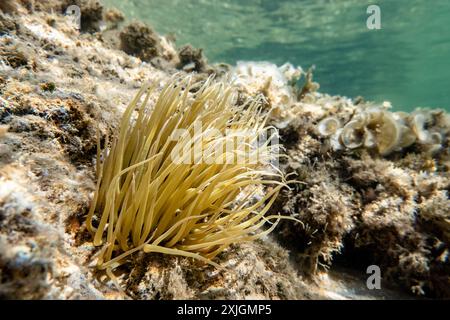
x=406 y=62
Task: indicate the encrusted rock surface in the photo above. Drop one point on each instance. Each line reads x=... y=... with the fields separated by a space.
x=60 y=86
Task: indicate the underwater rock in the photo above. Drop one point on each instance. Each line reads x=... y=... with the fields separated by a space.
x=360 y=206
x=365 y=174
x=275 y=84
x=7 y=24
x=114 y=16
x=9 y=6
x=356 y=206
x=265 y=78
x=280 y=87
x=141 y=41
x=23 y=276
x=13 y=56
x=309 y=85
x=49 y=117
x=192 y=59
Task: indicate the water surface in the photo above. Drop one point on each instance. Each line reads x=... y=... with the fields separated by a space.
x=406 y=62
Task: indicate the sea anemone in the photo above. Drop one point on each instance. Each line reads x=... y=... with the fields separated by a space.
x=195 y=205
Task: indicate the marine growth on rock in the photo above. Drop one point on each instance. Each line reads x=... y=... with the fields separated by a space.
x=383 y=131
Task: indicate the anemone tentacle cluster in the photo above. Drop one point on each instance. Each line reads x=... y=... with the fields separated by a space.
x=147 y=201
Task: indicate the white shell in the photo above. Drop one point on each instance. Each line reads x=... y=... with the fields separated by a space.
x=328 y=126
x=352 y=137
